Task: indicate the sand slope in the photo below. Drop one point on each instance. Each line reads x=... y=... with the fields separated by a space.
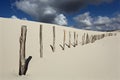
x=93 y=61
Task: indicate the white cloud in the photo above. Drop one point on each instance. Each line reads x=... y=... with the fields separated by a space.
x=15 y=17
x=85 y=21
x=28 y=7
x=49 y=10
x=102 y=20
x=60 y=20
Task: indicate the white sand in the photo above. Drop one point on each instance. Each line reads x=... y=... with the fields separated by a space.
x=94 y=61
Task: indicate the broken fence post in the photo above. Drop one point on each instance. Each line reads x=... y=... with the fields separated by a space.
x=23 y=63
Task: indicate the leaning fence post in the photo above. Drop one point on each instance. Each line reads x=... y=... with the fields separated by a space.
x=23 y=63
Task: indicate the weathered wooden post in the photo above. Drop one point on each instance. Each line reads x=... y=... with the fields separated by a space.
x=69 y=39
x=23 y=63
x=74 y=44
x=41 y=42
x=93 y=38
x=69 y=45
x=53 y=46
x=77 y=39
x=87 y=39
x=83 y=39
x=64 y=38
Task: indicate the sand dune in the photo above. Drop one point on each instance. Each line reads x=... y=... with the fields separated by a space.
x=67 y=54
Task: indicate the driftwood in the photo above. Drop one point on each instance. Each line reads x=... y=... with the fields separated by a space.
x=41 y=42
x=53 y=46
x=23 y=63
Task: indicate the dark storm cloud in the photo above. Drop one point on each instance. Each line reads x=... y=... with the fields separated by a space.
x=49 y=10
x=74 y=5
x=69 y=5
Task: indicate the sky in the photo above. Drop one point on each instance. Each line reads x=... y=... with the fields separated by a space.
x=83 y=14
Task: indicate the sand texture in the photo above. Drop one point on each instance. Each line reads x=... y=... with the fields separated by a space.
x=58 y=52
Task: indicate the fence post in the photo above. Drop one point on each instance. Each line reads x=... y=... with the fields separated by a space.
x=64 y=38
x=41 y=42
x=23 y=63
x=53 y=46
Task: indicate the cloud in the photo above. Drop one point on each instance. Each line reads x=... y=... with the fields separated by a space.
x=102 y=20
x=85 y=21
x=15 y=17
x=38 y=9
x=49 y=10
x=60 y=20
